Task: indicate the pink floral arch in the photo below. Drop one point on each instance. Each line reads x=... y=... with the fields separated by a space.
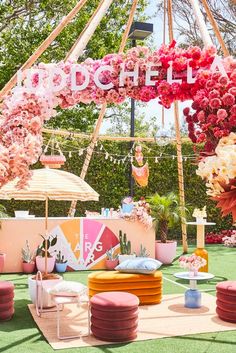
x=212 y=114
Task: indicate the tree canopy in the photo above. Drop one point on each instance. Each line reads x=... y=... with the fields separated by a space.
x=24 y=24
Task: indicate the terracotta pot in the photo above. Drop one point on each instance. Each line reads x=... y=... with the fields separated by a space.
x=2 y=261
x=111 y=264
x=40 y=263
x=165 y=252
x=28 y=267
x=47 y=284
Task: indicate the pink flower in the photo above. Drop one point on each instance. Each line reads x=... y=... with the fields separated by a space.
x=233 y=109
x=228 y=99
x=215 y=103
x=214 y=94
x=223 y=80
x=201 y=116
x=232 y=91
x=221 y=114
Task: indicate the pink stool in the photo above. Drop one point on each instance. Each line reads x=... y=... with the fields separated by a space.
x=6 y=300
x=114 y=316
x=226 y=300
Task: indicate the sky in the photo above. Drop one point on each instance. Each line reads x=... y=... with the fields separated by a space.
x=152 y=108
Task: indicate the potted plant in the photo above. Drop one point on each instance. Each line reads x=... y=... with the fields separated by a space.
x=3 y=214
x=112 y=259
x=125 y=248
x=167 y=213
x=40 y=255
x=48 y=279
x=28 y=263
x=143 y=252
x=61 y=263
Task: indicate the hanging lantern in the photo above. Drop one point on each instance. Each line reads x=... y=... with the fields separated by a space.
x=52 y=161
x=162 y=137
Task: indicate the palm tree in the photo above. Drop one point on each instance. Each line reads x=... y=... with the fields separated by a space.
x=166 y=211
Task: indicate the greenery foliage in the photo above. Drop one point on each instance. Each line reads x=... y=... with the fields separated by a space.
x=111 y=181
x=47 y=243
x=166 y=211
x=125 y=245
x=60 y=259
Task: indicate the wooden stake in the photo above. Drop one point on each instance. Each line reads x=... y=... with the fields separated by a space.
x=103 y=109
x=201 y=23
x=88 y=30
x=104 y=137
x=215 y=28
x=32 y=59
x=178 y=145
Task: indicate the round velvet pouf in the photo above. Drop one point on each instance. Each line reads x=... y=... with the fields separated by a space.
x=114 y=316
x=6 y=300
x=226 y=301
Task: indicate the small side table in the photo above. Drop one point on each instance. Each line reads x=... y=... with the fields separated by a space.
x=193 y=295
x=59 y=301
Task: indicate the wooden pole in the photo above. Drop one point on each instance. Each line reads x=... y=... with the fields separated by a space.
x=178 y=145
x=201 y=23
x=104 y=137
x=32 y=59
x=215 y=28
x=46 y=236
x=88 y=30
x=103 y=108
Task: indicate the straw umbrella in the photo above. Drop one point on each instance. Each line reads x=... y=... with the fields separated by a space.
x=50 y=184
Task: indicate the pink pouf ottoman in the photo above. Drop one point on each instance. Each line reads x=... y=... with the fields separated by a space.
x=114 y=316
x=226 y=300
x=6 y=300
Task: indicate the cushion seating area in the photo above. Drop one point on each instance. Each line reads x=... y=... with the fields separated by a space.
x=6 y=300
x=114 y=316
x=148 y=288
x=226 y=300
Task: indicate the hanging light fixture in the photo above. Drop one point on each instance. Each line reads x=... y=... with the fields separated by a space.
x=162 y=137
x=52 y=160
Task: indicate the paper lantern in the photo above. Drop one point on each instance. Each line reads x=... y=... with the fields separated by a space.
x=52 y=161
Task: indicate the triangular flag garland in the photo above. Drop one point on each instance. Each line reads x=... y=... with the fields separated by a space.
x=115 y=158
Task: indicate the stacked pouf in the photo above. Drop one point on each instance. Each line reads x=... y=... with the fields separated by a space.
x=226 y=300
x=148 y=288
x=114 y=316
x=6 y=300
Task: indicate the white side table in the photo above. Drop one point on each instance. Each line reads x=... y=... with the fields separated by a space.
x=59 y=301
x=192 y=295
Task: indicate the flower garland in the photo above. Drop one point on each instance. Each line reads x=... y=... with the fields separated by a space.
x=215 y=107
x=24 y=111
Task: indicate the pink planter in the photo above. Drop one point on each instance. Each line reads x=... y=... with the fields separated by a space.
x=2 y=261
x=111 y=264
x=40 y=263
x=28 y=267
x=165 y=252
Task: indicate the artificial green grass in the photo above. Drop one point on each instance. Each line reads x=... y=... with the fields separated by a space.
x=21 y=335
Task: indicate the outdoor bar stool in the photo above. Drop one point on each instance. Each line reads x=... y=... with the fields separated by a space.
x=226 y=301
x=68 y=292
x=114 y=316
x=6 y=300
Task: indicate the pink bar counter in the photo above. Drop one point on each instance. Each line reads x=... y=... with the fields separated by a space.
x=96 y=236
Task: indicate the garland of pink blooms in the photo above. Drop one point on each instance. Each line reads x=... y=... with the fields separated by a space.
x=24 y=112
